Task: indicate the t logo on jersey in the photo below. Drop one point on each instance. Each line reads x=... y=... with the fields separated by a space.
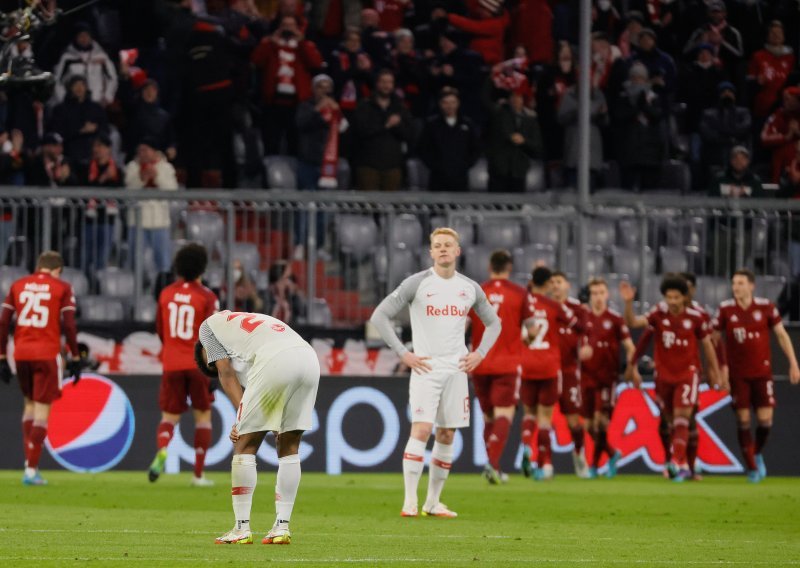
x=740 y=334
x=668 y=338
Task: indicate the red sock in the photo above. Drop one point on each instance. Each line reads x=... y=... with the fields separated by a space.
x=544 y=446
x=35 y=442
x=202 y=440
x=762 y=433
x=577 y=437
x=691 y=449
x=746 y=444
x=528 y=427
x=27 y=424
x=680 y=439
x=497 y=441
x=488 y=425
x=164 y=434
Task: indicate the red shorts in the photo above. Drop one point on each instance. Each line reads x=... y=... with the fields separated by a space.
x=41 y=380
x=534 y=392
x=570 y=399
x=496 y=390
x=752 y=393
x=671 y=396
x=596 y=398
x=176 y=386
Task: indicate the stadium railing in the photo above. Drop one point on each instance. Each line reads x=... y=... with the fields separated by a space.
x=358 y=246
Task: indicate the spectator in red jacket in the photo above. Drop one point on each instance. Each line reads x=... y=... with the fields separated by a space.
x=487 y=30
x=532 y=28
x=782 y=131
x=287 y=61
x=769 y=68
x=392 y=13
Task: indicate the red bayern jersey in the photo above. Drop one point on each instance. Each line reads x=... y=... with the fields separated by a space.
x=677 y=339
x=605 y=333
x=542 y=357
x=182 y=307
x=569 y=338
x=508 y=300
x=747 y=339
x=39 y=301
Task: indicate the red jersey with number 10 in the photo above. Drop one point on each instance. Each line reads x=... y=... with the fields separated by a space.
x=542 y=357
x=747 y=337
x=677 y=339
x=182 y=307
x=508 y=300
x=39 y=300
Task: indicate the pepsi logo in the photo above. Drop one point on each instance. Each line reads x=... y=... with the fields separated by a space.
x=91 y=426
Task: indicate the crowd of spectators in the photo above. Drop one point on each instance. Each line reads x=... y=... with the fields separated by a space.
x=162 y=93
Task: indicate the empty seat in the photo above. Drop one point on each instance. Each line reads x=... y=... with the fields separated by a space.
x=535 y=178
x=673 y=259
x=116 y=282
x=404 y=263
x=476 y=262
x=101 y=309
x=465 y=227
x=417 y=175
x=595 y=261
x=689 y=233
x=9 y=274
x=614 y=298
x=205 y=227
x=77 y=279
x=629 y=232
x=357 y=235
x=759 y=238
x=479 y=176
x=627 y=261
x=500 y=233
x=528 y=257
x=780 y=266
x=541 y=231
x=712 y=290
x=406 y=232
x=144 y=311
x=248 y=255
x=601 y=232
x=770 y=287
x=281 y=172
x=320 y=313
x=214 y=277
x=262 y=280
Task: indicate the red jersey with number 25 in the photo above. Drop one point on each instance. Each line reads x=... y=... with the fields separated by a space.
x=508 y=300
x=542 y=357
x=747 y=337
x=677 y=339
x=39 y=300
x=182 y=307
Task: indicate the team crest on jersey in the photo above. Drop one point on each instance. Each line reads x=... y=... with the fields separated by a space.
x=665 y=322
x=462 y=294
x=687 y=324
x=734 y=318
x=279 y=327
x=757 y=315
x=607 y=324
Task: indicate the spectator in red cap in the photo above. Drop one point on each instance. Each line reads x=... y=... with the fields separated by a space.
x=768 y=70
x=782 y=131
x=486 y=28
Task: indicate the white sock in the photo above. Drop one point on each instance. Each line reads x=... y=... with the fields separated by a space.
x=441 y=460
x=243 y=484
x=413 y=464
x=286 y=487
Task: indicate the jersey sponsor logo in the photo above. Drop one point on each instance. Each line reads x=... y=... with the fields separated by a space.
x=279 y=327
x=450 y=310
x=739 y=334
x=91 y=426
x=462 y=294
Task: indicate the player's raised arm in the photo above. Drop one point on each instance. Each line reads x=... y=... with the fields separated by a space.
x=628 y=293
x=489 y=317
x=786 y=346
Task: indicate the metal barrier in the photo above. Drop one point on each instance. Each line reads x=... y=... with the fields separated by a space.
x=356 y=247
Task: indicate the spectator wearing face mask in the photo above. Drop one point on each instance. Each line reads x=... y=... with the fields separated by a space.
x=698 y=85
x=724 y=126
x=724 y=38
x=86 y=58
x=769 y=69
x=245 y=294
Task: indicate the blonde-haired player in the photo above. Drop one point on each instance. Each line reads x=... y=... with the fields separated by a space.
x=439 y=300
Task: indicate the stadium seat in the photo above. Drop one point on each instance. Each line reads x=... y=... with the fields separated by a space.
x=144 y=310
x=673 y=260
x=596 y=264
x=627 y=261
x=77 y=279
x=712 y=290
x=344 y=176
x=404 y=263
x=406 y=232
x=465 y=227
x=357 y=235
x=281 y=172
x=541 y=231
x=770 y=287
x=527 y=257
x=479 y=176
x=101 y=309
x=759 y=238
x=601 y=232
x=476 y=262
x=614 y=298
x=500 y=233
x=320 y=313
x=116 y=282
x=214 y=277
x=689 y=233
x=780 y=266
x=417 y=175
x=629 y=232
x=675 y=176
x=535 y=178
x=206 y=228
x=249 y=256
x=8 y=275
x=262 y=280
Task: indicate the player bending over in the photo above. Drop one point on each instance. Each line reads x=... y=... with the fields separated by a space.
x=41 y=301
x=271 y=375
x=439 y=299
x=678 y=333
x=744 y=322
x=496 y=379
x=182 y=307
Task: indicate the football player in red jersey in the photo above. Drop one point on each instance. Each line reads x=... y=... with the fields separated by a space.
x=541 y=368
x=678 y=333
x=496 y=379
x=605 y=333
x=570 y=400
x=744 y=323
x=41 y=301
x=182 y=307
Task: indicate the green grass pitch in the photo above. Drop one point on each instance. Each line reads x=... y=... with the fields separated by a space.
x=120 y=519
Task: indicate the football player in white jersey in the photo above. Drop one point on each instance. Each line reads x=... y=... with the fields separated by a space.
x=439 y=300
x=271 y=375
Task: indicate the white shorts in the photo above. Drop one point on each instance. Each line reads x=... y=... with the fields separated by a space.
x=280 y=393
x=440 y=397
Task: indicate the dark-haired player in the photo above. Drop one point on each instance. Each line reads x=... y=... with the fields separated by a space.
x=41 y=301
x=496 y=379
x=541 y=368
x=744 y=323
x=678 y=333
x=570 y=399
x=182 y=307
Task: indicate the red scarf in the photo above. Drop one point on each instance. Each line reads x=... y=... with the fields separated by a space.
x=330 y=156
x=144 y=169
x=112 y=173
x=349 y=97
x=287 y=62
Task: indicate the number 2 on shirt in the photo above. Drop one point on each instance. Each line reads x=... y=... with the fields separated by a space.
x=542 y=326
x=33 y=313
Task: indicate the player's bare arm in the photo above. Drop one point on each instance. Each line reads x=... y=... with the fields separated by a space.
x=627 y=294
x=786 y=345
x=712 y=365
x=493 y=325
x=230 y=384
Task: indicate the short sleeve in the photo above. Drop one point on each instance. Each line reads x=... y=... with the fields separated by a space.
x=214 y=349
x=702 y=328
x=718 y=322
x=624 y=332
x=774 y=317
